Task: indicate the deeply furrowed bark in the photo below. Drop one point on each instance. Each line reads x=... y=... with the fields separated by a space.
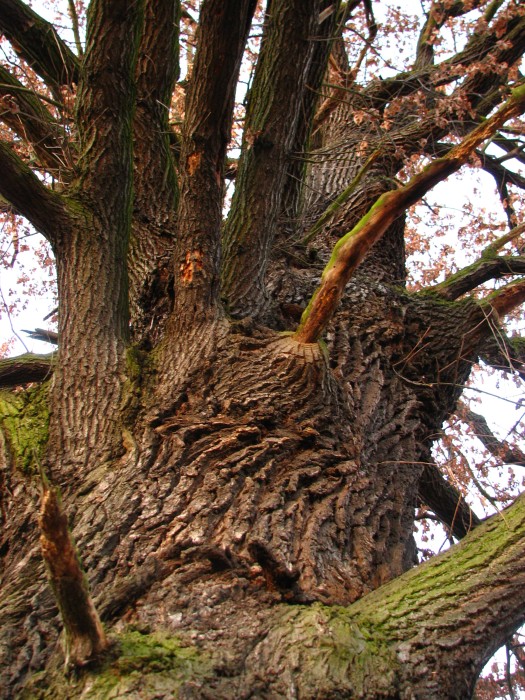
x=235 y=494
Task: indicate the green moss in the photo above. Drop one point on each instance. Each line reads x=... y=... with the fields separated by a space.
x=24 y=420
x=325 y=649
x=140 y=666
x=148 y=665
x=132 y=388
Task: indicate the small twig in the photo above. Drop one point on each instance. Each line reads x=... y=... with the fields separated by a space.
x=72 y=10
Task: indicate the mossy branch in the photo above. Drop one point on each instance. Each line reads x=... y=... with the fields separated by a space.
x=506 y=299
x=488 y=266
x=408 y=638
x=24 y=369
x=84 y=635
x=351 y=248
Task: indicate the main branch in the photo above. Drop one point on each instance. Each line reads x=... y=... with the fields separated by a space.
x=222 y=34
x=271 y=123
x=25 y=368
x=425 y=634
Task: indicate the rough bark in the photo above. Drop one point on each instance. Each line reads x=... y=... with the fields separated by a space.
x=242 y=492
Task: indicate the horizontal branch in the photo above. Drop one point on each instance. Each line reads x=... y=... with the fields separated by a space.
x=488 y=266
x=43 y=208
x=426 y=634
x=25 y=369
x=471 y=277
x=483 y=577
x=351 y=248
x=37 y=42
x=44 y=335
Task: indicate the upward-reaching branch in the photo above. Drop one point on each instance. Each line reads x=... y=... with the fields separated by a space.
x=222 y=34
x=93 y=319
x=351 y=249
x=38 y=43
x=154 y=207
x=271 y=123
x=157 y=72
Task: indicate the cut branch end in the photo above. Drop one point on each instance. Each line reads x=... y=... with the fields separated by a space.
x=84 y=636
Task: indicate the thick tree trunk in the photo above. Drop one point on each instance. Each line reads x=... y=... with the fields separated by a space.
x=275 y=473
x=243 y=500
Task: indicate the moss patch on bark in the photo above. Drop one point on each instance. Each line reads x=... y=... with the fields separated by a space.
x=24 y=422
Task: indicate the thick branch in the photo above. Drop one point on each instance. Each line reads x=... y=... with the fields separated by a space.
x=44 y=208
x=505 y=353
x=326 y=35
x=499 y=448
x=85 y=638
x=446 y=502
x=425 y=635
x=38 y=43
x=351 y=249
x=157 y=72
x=25 y=369
x=483 y=577
x=24 y=113
x=106 y=101
x=154 y=220
x=222 y=34
x=271 y=123
x=489 y=266
x=471 y=277
x=506 y=299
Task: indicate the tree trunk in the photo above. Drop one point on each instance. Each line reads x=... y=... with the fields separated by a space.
x=242 y=500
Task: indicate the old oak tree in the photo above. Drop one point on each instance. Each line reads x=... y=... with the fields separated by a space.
x=209 y=489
